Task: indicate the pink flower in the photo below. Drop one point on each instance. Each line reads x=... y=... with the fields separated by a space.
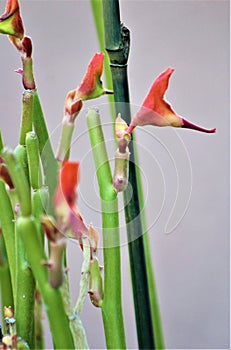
x=156 y=111
x=10 y=21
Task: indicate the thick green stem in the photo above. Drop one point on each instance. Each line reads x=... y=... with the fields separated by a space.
x=111 y=305
x=117 y=42
x=8 y=229
x=63 y=152
x=53 y=302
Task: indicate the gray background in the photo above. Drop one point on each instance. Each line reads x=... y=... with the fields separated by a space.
x=192 y=261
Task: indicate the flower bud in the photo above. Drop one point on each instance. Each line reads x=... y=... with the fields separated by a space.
x=120 y=179
x=95 y=284
x=121 y=128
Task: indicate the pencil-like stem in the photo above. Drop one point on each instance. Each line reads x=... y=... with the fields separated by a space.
x=58 y=320
x=50 y=165
x=8 y=230
x=117 y=42
x=27 y=111
x=5 y=281
x=111 y=304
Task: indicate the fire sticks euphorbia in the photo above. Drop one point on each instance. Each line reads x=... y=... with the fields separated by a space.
x=156 y=111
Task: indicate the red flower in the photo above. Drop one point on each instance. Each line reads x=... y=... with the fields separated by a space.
x=156 y=111
x=10 y=21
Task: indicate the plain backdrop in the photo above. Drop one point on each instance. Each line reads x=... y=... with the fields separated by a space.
x=190 y=243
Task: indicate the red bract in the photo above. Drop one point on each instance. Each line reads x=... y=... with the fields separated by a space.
x=66 y=208
x=10 y=21
x=91 y=85
x=69 y=180
x=156 y=111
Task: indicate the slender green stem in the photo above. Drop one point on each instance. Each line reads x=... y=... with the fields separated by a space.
x=39 y=338
x=50 y=165
x=25 y=296
x=33 y=160
x=156 y=317
x=27 y=111
x=63 y=152
x=97 y=10
x=58 y=320
x=19 y=180
x=5 y=280
x=111 y=305
x=77 y=329
x=6 y=288
x=21 y=156
x=117 y=41
x=8 y=229
x=84 y=281
x=39 y=206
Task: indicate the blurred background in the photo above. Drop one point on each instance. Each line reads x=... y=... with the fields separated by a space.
x=185 y=173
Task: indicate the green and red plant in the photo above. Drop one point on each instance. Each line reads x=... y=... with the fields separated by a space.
x=40 y=205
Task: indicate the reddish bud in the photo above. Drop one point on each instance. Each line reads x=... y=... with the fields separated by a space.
x=73 y=104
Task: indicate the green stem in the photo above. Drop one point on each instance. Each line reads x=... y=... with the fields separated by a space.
x=84 y=281
x=39 y=339
x=117 y=41
x=33 y=160
x=39 y=205
x=6 y=288
x=97 y=10
x=50 y=165
x=63 y=152
x=19 y=180
x=111 y=305
x=5 y=280
x=77 y=329
x=27 y=111
x=156 y=317
x=25 y=296
x=8 y=229
x=58 y=320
